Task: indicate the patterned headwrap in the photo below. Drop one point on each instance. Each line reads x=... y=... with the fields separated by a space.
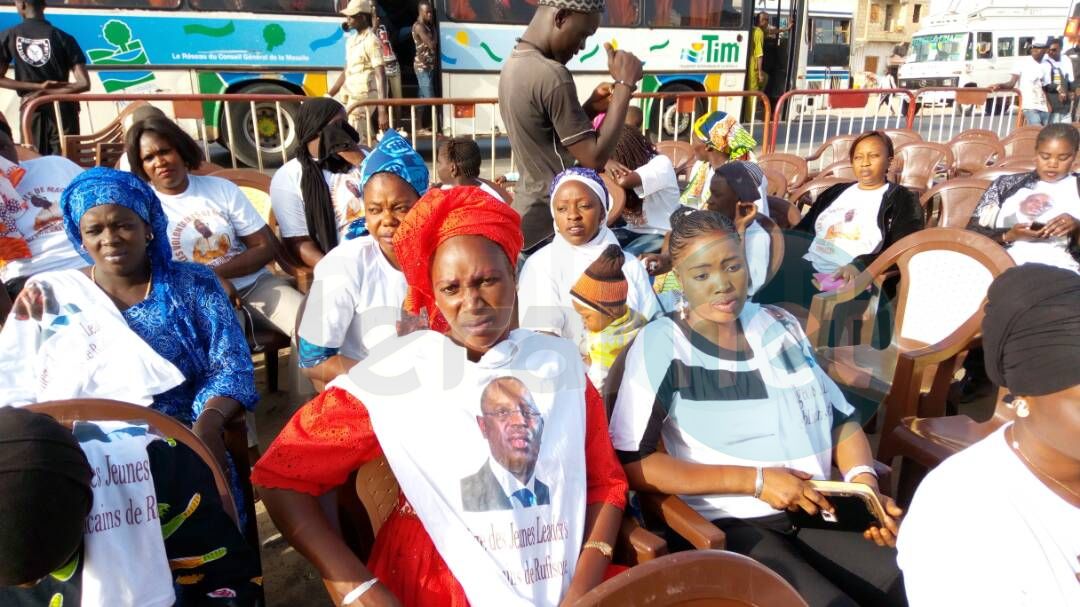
x=721 y=132
x=394 y=155
x=580 y=6
x=588 y=177
x=101 y=185
x=1031 y=331
x=438 y=216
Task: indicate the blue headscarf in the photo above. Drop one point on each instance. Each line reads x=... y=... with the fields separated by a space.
x=101 y=185
x=394 y=155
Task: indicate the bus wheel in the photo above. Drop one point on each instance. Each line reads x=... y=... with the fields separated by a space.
x=677 y=123
x=271 y=135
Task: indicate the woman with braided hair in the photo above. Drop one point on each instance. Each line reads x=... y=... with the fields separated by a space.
x=652 y=192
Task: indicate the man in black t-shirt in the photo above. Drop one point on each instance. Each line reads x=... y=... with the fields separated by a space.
x=44 y=59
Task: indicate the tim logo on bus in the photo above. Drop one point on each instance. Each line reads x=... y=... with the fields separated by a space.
x=711 y=50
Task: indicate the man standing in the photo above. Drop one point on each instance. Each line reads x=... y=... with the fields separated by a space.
x=756 y=75
x=44 y=59
x=549 y=128
x=1032 y=76
x=1063 y=83
x=427 y=47
x=363 y=76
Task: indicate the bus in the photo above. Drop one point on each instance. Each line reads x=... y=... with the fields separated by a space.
x=977 y=44
x=686 y=45
x=203 y=46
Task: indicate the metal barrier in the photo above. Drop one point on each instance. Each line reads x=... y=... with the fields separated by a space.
x=942 y=113
x=258 y=130
x=478 y=118
x=815 y=115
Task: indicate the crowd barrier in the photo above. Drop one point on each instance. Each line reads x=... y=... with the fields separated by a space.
x=259 y=130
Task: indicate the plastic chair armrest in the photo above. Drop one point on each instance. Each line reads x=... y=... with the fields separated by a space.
x=684 y=520
x=636 y=544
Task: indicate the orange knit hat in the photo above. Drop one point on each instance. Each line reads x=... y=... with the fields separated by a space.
x=603 y=285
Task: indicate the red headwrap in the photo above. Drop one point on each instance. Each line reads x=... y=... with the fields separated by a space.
x=438 y=216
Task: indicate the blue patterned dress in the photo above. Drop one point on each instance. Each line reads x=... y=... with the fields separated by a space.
x=188 y=320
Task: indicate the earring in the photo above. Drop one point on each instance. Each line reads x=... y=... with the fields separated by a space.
x=1022 y=409
x=683 y=306
x=149 y=237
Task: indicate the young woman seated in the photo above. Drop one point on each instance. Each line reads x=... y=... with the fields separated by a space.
x=457 y=163
x=747 y=419
x=1036 y=215
x=652 y=191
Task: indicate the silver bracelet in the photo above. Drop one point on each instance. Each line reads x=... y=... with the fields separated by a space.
x=759 y=482
x=358 y=592
x=850 y=475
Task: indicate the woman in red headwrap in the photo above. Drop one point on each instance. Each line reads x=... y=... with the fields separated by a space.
x=510 y=489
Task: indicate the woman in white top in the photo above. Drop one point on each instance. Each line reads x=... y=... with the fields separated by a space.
x=1036 y=215
x=356 y=298
x=316 y=196
x=998 y=524
x=579 y=203
x=652 y=192
x=848 y=226
x=747 y=418
x=211 y=222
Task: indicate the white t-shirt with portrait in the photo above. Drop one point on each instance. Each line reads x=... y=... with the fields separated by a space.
x=847 y=229
x=1034 y=75
x=659 y=193
x=41 y=223
x=355 y=299
x=208 y=220
x=1041 y=203
x=287 y=199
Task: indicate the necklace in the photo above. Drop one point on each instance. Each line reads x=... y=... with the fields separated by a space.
x=1016 y=447
x=93 y=279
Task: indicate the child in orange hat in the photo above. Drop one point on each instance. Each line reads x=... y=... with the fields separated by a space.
x=599 y=296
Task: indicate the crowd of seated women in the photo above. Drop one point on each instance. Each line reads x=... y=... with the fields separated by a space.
x=475 y=371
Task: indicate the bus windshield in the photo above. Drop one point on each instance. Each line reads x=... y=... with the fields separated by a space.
x=727 y=14
x=938 y=47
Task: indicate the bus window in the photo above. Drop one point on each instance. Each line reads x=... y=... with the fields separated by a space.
x=150 y=4
x=1025 y=46
x=984 y=48
x=1006 y=47
x=619 y=13
x=321 y=7
x=697 y=13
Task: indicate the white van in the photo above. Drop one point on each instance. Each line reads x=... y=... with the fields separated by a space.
x=980 y=46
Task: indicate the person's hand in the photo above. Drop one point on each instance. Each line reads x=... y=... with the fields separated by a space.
x=230 y=292
x=1022 y=231
x=210 y=428
x=745 y=212
x=1062 y=225
x=52 y=84
x=600 y=99
x=846 y=273
x=656 y=263
x=376 y=596
x=886 y=536
x=30 y=303
x=763 y=79
x=384 y=124
x=622 y=65
x=616 y=169
x=788 y=489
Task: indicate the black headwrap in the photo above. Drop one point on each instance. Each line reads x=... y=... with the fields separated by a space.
x=44 y=495
x=744 y=179
x=1031 y=332
x=311 y=121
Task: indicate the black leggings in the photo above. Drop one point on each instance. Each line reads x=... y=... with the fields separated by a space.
x=828 y=568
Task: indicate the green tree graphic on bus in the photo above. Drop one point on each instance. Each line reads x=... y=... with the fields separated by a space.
x=125 y=51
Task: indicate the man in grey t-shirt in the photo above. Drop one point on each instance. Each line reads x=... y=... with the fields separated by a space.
x=549 y=129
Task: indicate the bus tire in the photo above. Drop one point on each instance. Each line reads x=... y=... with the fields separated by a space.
x=266 y=117
x=672 y=130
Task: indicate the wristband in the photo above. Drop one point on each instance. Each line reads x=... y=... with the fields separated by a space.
x=603 y=547
x=632 y=87
x=759 y=482
x=359 y=591
x=850 y=475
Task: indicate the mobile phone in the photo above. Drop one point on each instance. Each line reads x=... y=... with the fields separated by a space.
x=855 y=508
x=1037 y=225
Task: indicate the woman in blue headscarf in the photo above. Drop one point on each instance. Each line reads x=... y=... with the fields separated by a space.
x=355 y=299
x=116 y=222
